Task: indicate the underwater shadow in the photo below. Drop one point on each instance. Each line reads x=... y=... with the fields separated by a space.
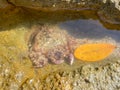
x=89 y=28
x=13 y=17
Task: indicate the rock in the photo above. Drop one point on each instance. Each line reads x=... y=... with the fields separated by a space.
x=116 y=2
x=3 y=4
x=107 y=9
x=51 y=4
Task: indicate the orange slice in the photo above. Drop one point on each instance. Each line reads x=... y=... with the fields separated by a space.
x=93 y=52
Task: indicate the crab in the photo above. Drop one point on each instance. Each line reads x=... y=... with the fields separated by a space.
x=41 y=55
x=58 y=55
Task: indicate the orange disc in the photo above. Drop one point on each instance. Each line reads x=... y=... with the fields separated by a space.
x=93 y=52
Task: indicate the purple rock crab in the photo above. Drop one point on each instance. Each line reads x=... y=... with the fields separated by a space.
x=49 y=45
x=60 y=54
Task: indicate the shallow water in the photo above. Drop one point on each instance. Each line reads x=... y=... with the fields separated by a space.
x=94 y=32
x=84 y=25
x=92 y=29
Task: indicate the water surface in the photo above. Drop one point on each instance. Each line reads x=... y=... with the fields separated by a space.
x=92 y=29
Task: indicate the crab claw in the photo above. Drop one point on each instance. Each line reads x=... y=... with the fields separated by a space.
x=70 y=59
x=57 y=61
